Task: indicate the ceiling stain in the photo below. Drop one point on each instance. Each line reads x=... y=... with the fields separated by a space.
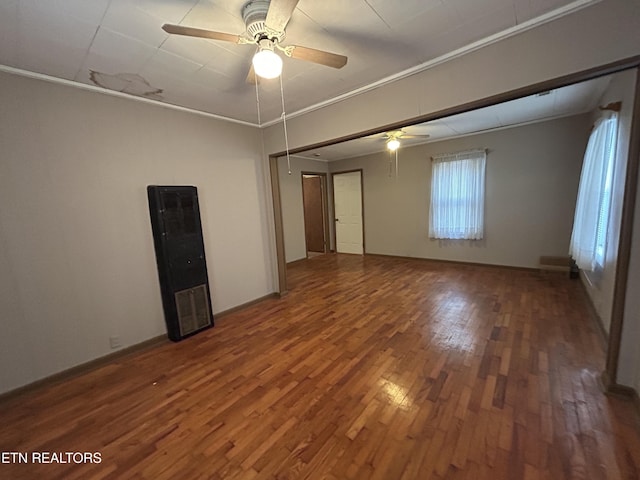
x=130 y=83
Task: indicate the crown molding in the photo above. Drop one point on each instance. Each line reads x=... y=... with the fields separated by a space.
x=113 y=93
x=304 y=157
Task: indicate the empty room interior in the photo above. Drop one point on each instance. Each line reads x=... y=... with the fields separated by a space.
x=319 y=240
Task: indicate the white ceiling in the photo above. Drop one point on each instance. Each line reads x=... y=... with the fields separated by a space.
x=122 y=42
x=562 y=102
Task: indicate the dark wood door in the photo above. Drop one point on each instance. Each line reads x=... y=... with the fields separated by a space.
x=313 y=215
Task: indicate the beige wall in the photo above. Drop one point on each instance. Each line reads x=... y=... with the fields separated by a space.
x=77 y=262
x=531 y=184
x=629 y=362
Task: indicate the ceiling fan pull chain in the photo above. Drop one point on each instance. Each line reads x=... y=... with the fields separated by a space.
x=284 y=123
x=257 y=100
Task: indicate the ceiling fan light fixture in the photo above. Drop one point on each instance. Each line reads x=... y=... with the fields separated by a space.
x=267 y=63
x=393 y=144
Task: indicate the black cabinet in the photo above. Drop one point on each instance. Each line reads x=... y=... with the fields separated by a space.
x=182 y=266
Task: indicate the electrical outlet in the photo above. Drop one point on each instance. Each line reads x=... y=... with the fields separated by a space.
x=115 y=342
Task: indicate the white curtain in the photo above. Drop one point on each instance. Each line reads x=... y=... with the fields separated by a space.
x=588 y=239
x=457 y=195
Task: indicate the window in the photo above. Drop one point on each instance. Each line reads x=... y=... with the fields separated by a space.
x=457 y=195
x=593 y=207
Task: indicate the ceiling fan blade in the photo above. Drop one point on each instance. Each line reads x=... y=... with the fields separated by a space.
x=279 y=14
x=198 y=32
x=415 y=136
x=317 y=56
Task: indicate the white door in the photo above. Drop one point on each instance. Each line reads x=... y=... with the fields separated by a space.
x=347 y=198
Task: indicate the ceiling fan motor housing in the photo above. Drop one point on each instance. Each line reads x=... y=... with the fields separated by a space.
x=254 y=14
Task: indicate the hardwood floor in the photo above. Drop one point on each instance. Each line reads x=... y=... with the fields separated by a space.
x=370 y=368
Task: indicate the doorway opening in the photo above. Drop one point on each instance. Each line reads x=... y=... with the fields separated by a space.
x=315 y=210
x=348 y=212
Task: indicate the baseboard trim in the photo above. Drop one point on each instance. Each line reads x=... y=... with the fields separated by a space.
x=84 y=367
x=304 y=259
x=296 y=262
x=111 y=357
x=620 y=391
x=459 y=262
x=597 y=320
x=245 y=305
x=604 y=381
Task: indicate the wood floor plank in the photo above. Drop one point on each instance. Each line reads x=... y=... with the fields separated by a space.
x=370 y=367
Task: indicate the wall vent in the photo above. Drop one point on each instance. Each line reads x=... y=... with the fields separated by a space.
x=193 y=309
x=182 y=266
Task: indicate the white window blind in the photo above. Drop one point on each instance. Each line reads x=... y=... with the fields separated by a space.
x=593 y=207
x=457 y=195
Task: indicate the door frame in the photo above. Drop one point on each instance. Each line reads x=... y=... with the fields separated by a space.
x=325 y=209
x=610 y=373
x=333 y=188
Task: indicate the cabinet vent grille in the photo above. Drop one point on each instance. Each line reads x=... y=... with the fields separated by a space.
x=193 y=309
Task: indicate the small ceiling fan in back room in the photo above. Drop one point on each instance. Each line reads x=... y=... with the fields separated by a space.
x=265 y=23
x=392 y=142
x=392 y=138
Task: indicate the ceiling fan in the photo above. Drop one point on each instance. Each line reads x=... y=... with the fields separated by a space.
x=392 y=140
x=393 y=137
x=265 y=22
